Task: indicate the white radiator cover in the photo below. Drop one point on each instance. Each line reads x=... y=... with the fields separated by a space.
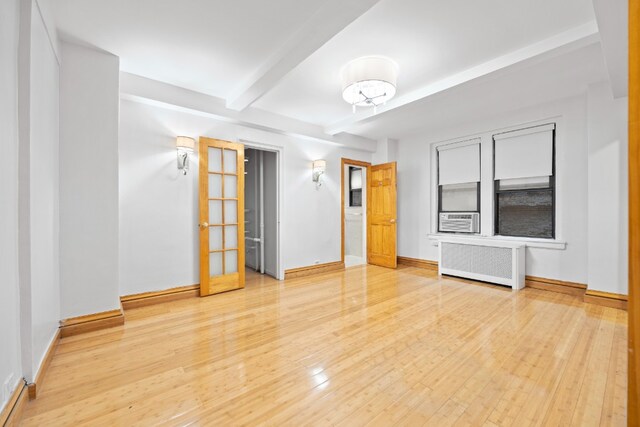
x=482 y=259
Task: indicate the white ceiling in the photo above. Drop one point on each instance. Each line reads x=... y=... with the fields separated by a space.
x=428 y=39
x=208 y=46
x=216 y=46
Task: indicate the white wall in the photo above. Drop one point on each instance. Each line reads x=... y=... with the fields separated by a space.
x=44 y=134
x=415 y=191
x=88 y=181
x=10 y=366
x=608 y=224
x=158 y=207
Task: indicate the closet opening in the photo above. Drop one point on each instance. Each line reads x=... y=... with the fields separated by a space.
x=261 y=212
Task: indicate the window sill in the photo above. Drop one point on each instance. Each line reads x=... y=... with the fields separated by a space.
x=527 y=241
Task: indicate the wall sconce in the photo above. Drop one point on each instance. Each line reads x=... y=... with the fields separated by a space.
x=319 y=168
x=184 y=146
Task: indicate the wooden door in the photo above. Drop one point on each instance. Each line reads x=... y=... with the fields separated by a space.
x=381 y=216
x=221 y=216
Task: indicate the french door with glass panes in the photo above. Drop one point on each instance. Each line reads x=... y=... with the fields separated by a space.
x=221 y=216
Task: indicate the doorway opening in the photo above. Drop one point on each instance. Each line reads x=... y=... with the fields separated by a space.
x=261 y=211
x=354 y=212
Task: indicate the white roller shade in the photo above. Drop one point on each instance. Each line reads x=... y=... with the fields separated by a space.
x=525 y=153
x=460 y=164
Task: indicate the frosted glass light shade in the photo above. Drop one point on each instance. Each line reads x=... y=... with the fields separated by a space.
x=185 y=143
x=319 y=166
x=369 y=81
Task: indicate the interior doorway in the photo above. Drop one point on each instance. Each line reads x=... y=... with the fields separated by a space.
x=354 y=212
x=261 y=211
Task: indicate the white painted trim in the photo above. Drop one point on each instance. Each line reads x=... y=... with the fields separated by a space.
x=524 y=131
x=504 y=241
x=279 y=150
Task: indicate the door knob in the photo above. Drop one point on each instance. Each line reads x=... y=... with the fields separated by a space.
x=392 y=221
x=204 y=225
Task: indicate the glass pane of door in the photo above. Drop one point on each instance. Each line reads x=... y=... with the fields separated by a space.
x=230 y=262
x=230 y=212
x=230 y=187
x=230 y=161
x=215 y=185
x=215 y=238
x=215 y=159
x=215 y=212
x=215 y=264
x=231 y=236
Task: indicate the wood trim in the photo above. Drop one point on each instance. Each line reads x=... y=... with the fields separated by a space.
x=91 y=322
x=12 y=412
x=343 y=162
x=46 y=361
x=553 y=285
x=419 y=263
x=606 y=299
x=313 y=269
x=633 y=380
x=150 y=298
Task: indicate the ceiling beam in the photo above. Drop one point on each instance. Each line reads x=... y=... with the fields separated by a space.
x=332 y=17
x=164 y=95
x=567 y=41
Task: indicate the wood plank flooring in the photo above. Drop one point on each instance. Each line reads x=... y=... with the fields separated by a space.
x=363 y=346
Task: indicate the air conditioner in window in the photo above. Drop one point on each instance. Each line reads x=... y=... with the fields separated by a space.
x=459 y=222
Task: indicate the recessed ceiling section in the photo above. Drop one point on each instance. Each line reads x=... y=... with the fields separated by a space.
x=429 y=40
x=513 y=89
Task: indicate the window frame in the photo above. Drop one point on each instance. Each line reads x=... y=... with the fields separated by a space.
x=552 y=187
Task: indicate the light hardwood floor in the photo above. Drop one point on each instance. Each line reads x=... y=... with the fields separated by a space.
x=366 y=345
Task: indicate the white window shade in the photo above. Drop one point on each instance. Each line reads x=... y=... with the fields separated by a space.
x=459 y=164
x=525 y=153
x=356 y=179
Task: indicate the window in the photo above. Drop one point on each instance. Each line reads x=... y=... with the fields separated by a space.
x=460 y=197
x=458 y=178
x=355 y=186
x=525 y=183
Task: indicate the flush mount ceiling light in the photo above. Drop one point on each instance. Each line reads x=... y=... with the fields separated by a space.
x=369 y=81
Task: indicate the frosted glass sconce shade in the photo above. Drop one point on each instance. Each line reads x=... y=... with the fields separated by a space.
x=319 y=168
x=184 y=146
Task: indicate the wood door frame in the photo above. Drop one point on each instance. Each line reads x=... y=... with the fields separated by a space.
x=633 y=354
x=344 y=162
